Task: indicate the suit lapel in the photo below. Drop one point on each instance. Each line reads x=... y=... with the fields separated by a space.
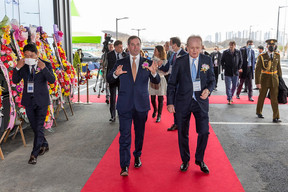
x=199 y=65
x=139 y=72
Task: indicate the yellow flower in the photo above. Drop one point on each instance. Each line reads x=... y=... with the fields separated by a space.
x=50 y=91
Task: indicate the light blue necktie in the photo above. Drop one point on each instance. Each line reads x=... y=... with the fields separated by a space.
x=193 y=74
x=249 y=57
x=193 y=70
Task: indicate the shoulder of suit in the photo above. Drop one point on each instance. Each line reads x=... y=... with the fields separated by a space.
x=262 y=54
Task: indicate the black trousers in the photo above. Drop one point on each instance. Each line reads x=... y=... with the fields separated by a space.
x=216 y=73
x=125 y=119
x=248 y=80
x=202 y=129
x=113 y=89
x=36 y=115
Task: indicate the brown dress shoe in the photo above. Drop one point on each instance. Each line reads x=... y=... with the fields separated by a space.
x=173 y=127
x=43 y=150
x=32 y=160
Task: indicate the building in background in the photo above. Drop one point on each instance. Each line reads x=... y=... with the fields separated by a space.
x=42 y=13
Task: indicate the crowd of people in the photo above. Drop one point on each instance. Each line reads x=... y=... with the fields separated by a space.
x=187 y=76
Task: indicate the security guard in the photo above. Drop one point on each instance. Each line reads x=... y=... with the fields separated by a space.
x=266 y=77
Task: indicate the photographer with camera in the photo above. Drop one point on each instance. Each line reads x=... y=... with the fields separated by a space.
x=107 y=47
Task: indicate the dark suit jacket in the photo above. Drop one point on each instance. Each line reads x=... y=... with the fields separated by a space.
x=111 y=59
x=180 y=85
x=246 y=73
x=213 y=54
x=170 y=61
x=41 y=92
x=133 y=94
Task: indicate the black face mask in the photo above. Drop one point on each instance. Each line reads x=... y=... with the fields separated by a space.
x=271 y=48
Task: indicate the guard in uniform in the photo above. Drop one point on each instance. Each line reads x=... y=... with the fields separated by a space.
x=266 y=78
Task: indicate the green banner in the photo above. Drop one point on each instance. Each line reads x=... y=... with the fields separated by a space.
x=73 y=10
x=86 y=39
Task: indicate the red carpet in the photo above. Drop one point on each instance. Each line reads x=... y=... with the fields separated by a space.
x=214 y=99
x=161 y=162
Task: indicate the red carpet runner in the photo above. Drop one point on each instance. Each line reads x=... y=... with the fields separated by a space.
x=213 y=99
x=161 y=165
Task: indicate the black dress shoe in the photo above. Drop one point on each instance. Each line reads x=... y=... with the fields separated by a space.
x=251 y=99
x=276 y=120
x=237 y=97
x=173 y=127
x=202 y=166
x=43 y=150
x=113 y=119
x=158 y=119
x=124 y=171
x=244 y=91
x=184 y=166
x=137 y=162
x=107 y=101
x=260 y=116
x=32 y=160
x=154 y=115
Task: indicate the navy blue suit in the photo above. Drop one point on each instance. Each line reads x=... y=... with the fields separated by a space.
x=170 y=63
x=132 y=104
x=36 y=104
x=180 y=94
x=248 y=71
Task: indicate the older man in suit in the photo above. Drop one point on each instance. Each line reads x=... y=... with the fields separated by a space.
x=133 y=102
x=112 y=57
x=193 y=77
x=35 y=73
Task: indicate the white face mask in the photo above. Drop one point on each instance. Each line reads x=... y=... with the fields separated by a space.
x=30 y=61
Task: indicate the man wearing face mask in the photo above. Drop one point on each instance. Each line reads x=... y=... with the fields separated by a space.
x=267 y=72
x=248 y=66
x=35 y=73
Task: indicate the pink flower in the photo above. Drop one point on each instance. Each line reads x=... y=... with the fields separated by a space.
x=19 y=88
x=17 y=99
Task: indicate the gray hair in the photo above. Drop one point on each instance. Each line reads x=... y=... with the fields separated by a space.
x=194 y=37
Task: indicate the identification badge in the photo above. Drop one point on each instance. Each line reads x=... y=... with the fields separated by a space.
x=30 y=87
x=197 y=85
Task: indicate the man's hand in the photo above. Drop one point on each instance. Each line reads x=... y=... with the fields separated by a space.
x=160 y=63
x=240 y=70
x=119 y=70
x=171 y=108
x=20 y=63
x=41 y=64
x=152 y=68
x=205 y=94
x=258 y=86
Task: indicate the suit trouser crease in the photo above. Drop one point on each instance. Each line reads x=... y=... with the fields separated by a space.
x=202 y=129
x=36 y=116
x=249 y=86
x=113 y=90
x=216 y=73
x=139 y=119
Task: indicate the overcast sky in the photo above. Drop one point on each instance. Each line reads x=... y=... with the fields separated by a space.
x=164 y=19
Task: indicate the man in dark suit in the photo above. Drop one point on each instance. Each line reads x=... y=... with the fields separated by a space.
x=191 y=82
x=112 y=57
x=248 y=66
x=216 y=60
x=35 y=73
x=133 y=102
x=175 y=43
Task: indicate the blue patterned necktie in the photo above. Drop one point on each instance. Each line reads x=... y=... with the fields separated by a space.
x=193 y=70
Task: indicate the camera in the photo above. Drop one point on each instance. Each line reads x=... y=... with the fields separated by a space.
x=106 y=42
